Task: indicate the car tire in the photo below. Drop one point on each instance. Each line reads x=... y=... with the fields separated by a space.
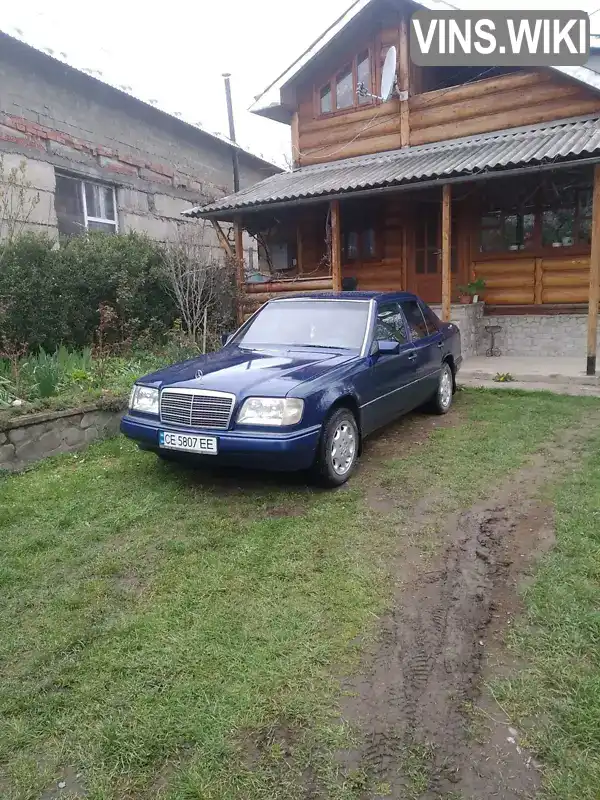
x=441 y=402
x=338 y=449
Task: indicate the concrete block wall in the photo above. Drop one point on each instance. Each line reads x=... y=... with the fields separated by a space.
x=525 y=335
x=36 y=209
x=23 y=441
x=537 y=335
x=468 y=320
x=57 y=118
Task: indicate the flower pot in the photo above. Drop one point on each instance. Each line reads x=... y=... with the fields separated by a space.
x=464 y=299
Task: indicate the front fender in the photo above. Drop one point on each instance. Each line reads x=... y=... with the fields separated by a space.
x=334 y=394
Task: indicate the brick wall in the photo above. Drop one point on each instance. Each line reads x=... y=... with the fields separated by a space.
x=57 y=118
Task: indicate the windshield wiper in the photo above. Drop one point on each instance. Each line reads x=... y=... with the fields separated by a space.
x=319 y=346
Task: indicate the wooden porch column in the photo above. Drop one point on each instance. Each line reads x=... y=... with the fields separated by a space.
x=446 y=252
x=240 y=273
x=336 y=246
x=404 y=80
x=594 y=295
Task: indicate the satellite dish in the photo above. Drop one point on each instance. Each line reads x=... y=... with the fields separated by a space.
x=388 y=74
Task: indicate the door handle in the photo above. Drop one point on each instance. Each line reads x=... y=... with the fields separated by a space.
x=440 y=345
x=412 y=357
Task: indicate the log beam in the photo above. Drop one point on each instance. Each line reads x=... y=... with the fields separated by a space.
x=594 y=292
x=403 y=72
x=336 y=246
x=446 y=251
x=223 y=240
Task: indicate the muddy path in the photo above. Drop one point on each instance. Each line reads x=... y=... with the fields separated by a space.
x=422 y=690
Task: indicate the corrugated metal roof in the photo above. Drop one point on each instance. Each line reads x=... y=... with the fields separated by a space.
x=473 y=155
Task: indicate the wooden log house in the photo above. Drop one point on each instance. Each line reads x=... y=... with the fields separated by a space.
x=465 y=173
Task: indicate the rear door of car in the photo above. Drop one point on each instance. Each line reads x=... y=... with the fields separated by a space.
x=427 y=341
x=392 y=378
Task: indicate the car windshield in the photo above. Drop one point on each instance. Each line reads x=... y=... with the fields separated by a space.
x=337 y=324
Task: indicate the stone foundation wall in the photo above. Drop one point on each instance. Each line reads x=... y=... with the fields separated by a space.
x=26 y=440
x=536 y=335
x=469 y=320
x=532 y=335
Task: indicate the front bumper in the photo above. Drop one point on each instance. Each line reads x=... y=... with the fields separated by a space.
x=277 y=450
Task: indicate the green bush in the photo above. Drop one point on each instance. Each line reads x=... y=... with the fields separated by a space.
x=51 y=296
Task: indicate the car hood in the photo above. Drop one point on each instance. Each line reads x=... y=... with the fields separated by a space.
x=243 y=372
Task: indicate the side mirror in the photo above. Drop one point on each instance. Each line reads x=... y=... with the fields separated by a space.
x=225 y=338
x=387 y=347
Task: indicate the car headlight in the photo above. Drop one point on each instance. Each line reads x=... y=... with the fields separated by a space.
x=144 y=399
x=275 y=411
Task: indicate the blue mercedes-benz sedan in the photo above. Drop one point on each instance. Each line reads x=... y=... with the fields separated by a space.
x=301 y=384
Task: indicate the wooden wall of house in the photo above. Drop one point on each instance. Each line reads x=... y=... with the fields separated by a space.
x=369 y=129
x=387 y=271
x=508 y=101
x=534 y=281
x=519 y=98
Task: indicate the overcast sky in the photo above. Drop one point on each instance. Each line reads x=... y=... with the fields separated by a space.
x=175 y=54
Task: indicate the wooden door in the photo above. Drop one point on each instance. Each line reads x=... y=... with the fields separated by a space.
x=424 y=257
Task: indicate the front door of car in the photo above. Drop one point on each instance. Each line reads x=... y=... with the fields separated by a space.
x=427 y=341
x=391 y=378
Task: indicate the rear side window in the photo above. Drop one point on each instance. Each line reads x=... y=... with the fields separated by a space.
x=431 y=318
x=390 y=323
x=415 y=319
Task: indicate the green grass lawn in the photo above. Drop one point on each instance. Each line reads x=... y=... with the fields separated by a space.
x=162 y=631
x=556 y=698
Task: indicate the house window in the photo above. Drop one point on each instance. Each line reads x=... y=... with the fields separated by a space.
x=363 y=76
x=566 y=217
x=359 y=243
x=344 y=89
x=507 y=229
x=555 y=213
x=83 y=205
x=341 y=93
x=325 y=105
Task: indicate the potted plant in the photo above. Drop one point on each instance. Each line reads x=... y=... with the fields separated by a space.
x=470 y=293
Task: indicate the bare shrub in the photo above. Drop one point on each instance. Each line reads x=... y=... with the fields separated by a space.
x=201 y=282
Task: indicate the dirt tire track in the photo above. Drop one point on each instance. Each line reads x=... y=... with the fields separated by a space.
x=424 y=672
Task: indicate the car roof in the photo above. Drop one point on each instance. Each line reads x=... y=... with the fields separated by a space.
x=346 y=296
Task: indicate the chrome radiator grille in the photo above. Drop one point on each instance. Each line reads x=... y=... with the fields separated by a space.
x=196 y=408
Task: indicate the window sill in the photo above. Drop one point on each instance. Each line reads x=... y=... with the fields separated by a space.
x=340 y=112
x=546 y=309
x=575 y=251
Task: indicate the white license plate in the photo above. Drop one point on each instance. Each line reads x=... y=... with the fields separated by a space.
x=207 y=445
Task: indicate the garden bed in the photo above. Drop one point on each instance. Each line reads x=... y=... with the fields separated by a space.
x=59 y=402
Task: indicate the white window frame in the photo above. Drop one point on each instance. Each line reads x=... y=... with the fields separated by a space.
x=86 y=218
